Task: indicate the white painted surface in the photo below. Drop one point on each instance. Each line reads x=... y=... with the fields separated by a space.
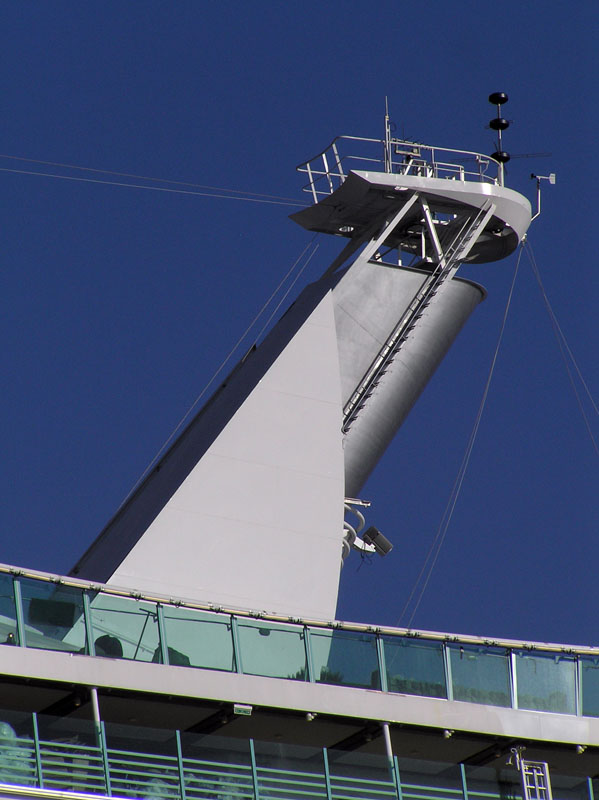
x=258 y=521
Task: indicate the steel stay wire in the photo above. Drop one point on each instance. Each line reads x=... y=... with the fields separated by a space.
x=151 y=188
x=565 y=351
x=139 y=177
x=435 y=548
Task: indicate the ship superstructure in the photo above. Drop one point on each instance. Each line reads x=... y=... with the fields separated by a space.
x=193 y=651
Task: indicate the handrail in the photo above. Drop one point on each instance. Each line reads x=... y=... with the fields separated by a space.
x=182 y=602
x=414 y=158
x=138 y=628
x=247 y=772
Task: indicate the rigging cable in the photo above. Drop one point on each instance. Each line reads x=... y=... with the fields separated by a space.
x=141 y=177
x=565 y=351
x=227 y=358
x=153 y=188
x=435 y=548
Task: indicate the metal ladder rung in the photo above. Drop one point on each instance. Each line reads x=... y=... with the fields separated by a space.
x=536 y=784
x=442 y=271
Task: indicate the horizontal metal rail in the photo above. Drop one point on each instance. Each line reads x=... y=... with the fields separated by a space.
x=328 y=169
x=164 y=776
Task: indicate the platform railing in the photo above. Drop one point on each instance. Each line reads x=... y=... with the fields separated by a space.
x=328 y=169
x=64 y=758
x=47 y=612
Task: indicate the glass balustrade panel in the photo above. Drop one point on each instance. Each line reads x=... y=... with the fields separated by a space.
x=345 y=657
x=367 y=775
x=70 y=753
x=569 y=787
x=493 y=783
x=429 y=780
x=589 y=672
x=276 y=651
x=480 y=675
x=125 y=628
x=53 y=616
x=199 y=639
x=143 y=762
x=546 y=682
x=216 y=767
x=415 y=667
x=290 y=771
x=17 y=749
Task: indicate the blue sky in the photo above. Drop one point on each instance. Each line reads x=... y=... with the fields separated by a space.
x=120 y=303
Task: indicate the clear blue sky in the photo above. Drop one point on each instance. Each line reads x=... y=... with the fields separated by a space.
x=119 y=303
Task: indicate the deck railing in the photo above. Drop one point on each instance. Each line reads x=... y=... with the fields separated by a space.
x=52 y=613
x=329 y=169
x=55 y=756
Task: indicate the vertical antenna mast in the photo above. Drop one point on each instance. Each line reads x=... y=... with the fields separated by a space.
x=387 y=137
x=499 y=124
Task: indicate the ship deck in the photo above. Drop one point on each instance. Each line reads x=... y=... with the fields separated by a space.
x=174 y=665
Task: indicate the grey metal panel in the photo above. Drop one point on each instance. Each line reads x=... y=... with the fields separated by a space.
x=369 y=300
x=364 y=196
x=384 y=412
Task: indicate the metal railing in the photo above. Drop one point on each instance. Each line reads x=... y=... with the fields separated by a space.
x=328 y=169
x=41 y=611
x=85 y=760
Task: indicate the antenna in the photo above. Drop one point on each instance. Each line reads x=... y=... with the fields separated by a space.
x=499 y=124
x=387 y=153
x=539 y=178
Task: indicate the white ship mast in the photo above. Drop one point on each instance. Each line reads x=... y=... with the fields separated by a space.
x=246 y=508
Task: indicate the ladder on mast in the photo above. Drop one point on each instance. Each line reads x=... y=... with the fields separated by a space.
x=449 y=262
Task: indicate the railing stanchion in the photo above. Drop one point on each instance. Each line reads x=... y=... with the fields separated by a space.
x=87 y=619
x=19 y=611
x=38 y=754
x=162 y=633
x=104 y=754
x=180 y=765
x=254 y=771
x=236 y=647
x=464 y=783
x=397 y=778
x=327 y=773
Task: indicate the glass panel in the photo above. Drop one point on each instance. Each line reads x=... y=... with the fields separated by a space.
x=124 y=628
x=431 y=780
x=569 y=787
x=8 y=617
x=590 y=686
x=345 y=657
x=494 y=783
x=199 y=639
x=415 y=667
x=217 y=768
x=290 y=771
x=70 y=757
x=276 y=651
x=366 y=776
x=546 y=682
x=480 y=675
x=53 y=616
x=17 y=751
x=142 y=762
